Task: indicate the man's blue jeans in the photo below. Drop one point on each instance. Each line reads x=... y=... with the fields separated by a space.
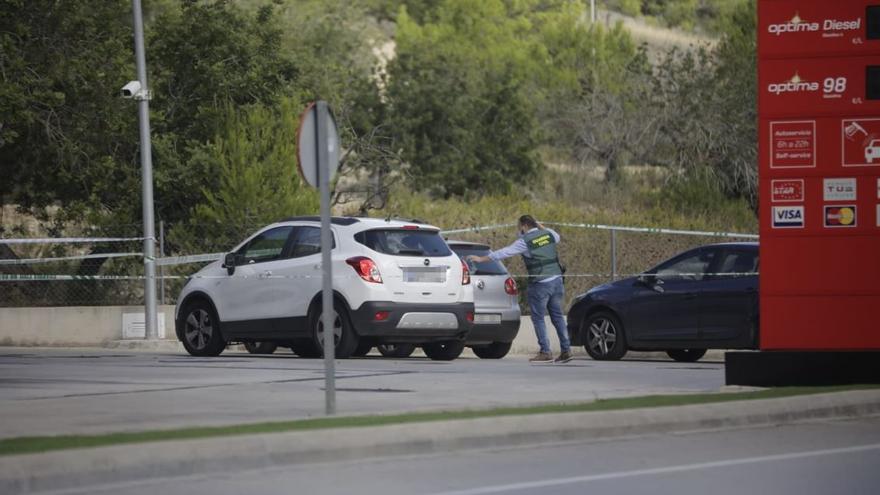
x=548 y=296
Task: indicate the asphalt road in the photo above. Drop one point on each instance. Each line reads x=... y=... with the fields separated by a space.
x=811 y=458
x=57 y=391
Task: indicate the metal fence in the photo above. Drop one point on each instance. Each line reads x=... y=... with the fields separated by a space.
x=109 y=271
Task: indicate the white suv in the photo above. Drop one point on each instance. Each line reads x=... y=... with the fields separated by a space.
x=395 y=282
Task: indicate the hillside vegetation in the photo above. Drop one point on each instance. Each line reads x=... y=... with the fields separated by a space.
x=458 y=112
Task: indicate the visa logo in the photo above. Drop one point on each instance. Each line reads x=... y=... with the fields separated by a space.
x=782 y=215
x=788 y=216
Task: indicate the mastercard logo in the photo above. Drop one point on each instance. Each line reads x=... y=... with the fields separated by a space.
x=840 y=216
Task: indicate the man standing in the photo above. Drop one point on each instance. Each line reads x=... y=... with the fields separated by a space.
x=537 y=245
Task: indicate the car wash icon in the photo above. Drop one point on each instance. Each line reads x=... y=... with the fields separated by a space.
x=861 y=142
x=872 y=151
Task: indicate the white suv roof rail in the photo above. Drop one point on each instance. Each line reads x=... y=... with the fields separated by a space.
x=315 y=218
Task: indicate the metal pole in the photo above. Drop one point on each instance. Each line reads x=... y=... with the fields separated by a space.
x=322 y=121
x=613 y=254
x=146 y=175
x=593 y=53
x=162 y=254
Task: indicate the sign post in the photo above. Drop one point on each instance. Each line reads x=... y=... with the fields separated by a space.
x=318 y=159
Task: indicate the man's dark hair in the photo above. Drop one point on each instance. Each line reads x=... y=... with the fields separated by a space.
x=529 y=221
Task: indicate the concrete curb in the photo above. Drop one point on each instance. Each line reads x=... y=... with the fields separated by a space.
x=124 y=463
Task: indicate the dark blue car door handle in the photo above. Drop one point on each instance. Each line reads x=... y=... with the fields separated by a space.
x=690 y=295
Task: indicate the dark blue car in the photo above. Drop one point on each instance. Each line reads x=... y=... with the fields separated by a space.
x=705 y=298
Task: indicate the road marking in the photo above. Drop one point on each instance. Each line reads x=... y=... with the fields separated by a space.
x=663 y=470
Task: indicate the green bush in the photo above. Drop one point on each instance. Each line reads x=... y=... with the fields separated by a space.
x=628 y=7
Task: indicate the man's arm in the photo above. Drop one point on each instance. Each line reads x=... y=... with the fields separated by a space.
x=555 y=234
x=518 y=247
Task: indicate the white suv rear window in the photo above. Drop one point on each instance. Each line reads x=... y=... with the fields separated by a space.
x=404 y=242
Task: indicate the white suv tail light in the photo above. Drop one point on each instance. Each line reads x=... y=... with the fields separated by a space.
x=366 y=268
x=465 y=274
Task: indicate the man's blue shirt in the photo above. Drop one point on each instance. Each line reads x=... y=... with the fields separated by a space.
x=519 y=247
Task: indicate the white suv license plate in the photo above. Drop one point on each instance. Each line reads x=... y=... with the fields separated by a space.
x=487 y=318
x=432 y=275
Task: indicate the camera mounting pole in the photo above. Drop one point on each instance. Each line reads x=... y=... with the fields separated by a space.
x=143 y=104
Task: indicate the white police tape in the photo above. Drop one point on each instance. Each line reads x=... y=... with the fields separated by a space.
x=647 y=230
x=208 y=257
x=598 y=226
x=5 y=277
x=71 y=240
x=479 y=228
x=165 y=261
x=195 y=258
x=31 y=261
x=38 y=278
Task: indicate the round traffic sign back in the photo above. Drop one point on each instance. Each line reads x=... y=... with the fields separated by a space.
x=307 y=143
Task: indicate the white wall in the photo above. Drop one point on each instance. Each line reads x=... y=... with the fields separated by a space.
x=69 y=326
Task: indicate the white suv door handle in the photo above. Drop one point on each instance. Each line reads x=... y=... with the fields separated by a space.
x=266 y=274
x=318 y=266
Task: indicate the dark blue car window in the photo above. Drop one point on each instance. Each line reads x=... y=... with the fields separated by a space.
x=693 y=266
x=739 y=263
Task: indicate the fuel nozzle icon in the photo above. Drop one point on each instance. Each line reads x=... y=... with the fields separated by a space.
x=853 y=129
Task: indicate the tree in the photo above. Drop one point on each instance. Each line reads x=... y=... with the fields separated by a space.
x=458 y=99
x=64 y=137
x=597 y=111
x=218 y=55
x=706 y=105
x=225 y=76
x=206 y=57
x=69 y=141
x=736 y=80
x=418 y=10
x=253 y=156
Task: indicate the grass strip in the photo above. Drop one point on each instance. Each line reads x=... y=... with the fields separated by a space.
x=28 y=445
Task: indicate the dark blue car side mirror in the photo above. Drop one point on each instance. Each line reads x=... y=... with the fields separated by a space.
x=651 y=281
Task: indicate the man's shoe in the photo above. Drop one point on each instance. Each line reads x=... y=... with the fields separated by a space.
x=564 y=357
x=542 y=357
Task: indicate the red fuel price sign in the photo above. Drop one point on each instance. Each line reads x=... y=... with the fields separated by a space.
x=825 y=87
x=793 y=28
x=819 y=174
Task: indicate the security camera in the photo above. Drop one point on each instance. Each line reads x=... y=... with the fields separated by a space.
x=131 y=89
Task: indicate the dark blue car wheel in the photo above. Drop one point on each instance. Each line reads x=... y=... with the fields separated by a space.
x=604 y=336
